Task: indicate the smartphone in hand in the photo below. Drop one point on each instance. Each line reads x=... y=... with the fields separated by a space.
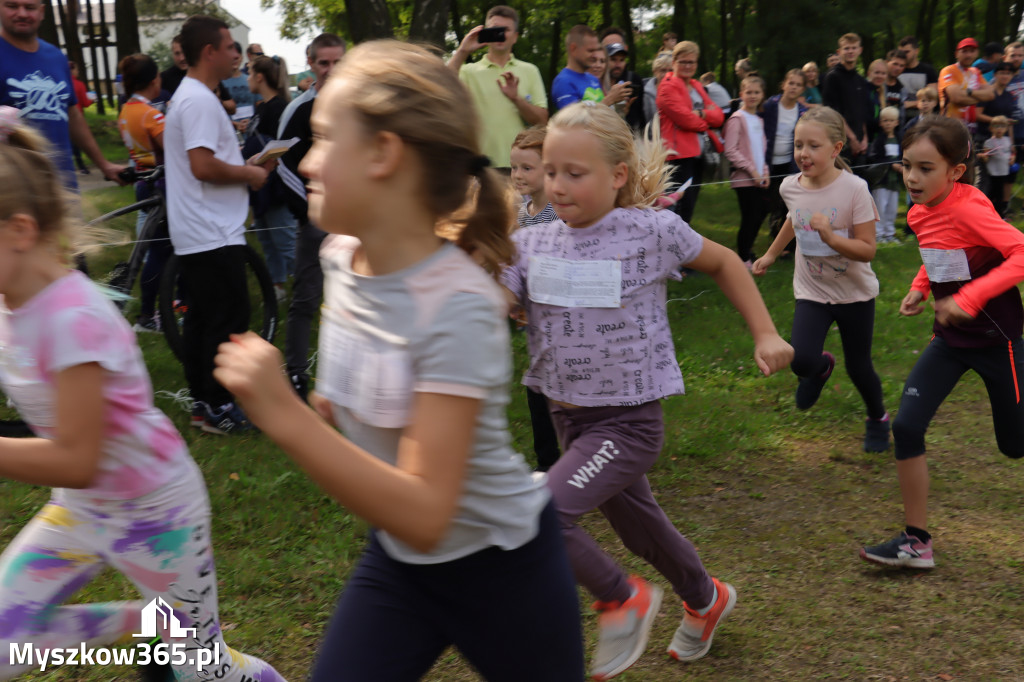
x=492 y=34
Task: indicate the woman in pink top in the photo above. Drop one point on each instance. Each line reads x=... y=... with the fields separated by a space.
x=687 y=113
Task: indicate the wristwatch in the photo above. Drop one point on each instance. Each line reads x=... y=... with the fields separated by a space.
x=969 y=91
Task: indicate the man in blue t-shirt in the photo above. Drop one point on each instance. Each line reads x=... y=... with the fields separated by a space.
x=35 y=78
x=575 y=83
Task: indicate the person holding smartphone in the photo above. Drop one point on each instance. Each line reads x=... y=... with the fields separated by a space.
x=508 y=93
x=632 y=109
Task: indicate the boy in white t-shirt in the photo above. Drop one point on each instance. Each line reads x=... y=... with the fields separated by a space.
x=207 y=204
x=999 y=156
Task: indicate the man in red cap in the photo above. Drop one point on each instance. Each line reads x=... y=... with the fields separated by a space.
x=962 y=87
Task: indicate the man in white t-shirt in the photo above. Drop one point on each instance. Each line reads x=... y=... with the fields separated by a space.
x=207 y=204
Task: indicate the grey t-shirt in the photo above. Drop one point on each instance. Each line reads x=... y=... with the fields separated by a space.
x=438 y=326
x=998 y=162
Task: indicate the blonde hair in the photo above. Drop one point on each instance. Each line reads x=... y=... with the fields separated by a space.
x=929 y=93
x=31 y=184
x=889 y=112
x=647 y=173
x=999 y=122
x=851 y=38
x=685 y=47
x=406 y=90
x=834 y=126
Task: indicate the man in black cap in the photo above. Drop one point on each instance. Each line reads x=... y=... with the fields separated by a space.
x=631 y=109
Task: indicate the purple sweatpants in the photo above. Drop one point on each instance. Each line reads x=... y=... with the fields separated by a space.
x=607 y=452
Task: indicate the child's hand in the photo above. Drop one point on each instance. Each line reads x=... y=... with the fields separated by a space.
x=772 y=353
x=912 y=303
x=322 y=406
x=820 y=224
x=947 y=312
x=250 y=368
x=762 y=264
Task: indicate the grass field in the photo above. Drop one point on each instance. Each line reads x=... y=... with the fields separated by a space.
x=777 y=501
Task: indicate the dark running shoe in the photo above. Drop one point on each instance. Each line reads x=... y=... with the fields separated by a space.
x=876 y=434
x=147 y=324
x=809 y=389
x=300 y=382
x=228 y=420
x=904 y=551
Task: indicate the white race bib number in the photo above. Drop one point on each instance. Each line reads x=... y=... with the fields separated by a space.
x=575 y=284
x=946 y=265
x=369 y=376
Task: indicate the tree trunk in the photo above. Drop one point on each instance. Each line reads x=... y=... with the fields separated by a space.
x=626 y=12
x=606 y=14
x=1015 y=19
x=698 y=14
x=679 y=19
x=48 y=29
x=723 y=27
x=556 y=55
x=126 y=24
x=429 y=21
x=368 y=19
x=950 y=34
x=925 y=37
x=457 y=22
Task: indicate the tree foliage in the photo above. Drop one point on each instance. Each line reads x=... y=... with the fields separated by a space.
x=775 y=36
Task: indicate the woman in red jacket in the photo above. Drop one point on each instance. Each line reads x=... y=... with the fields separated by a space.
x=686 y=113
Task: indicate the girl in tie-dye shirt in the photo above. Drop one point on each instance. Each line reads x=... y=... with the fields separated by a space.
x=126 y=492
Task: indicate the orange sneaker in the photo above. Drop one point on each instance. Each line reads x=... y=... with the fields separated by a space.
x=624 y=628
x=693 y=636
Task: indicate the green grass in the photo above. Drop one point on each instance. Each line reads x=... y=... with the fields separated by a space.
x=104 y=129
x=777 y=501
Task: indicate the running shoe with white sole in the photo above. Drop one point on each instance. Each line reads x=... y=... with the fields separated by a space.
x=694 y=635
x=903 y=551
x=624 y=629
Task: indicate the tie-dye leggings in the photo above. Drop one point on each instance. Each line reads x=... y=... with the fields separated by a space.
x=161 y=542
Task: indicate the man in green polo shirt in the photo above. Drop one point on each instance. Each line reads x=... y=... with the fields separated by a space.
x=508 y=93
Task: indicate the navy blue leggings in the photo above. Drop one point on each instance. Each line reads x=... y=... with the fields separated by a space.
x=936 y=373
x=856 y=322
x=513 y=614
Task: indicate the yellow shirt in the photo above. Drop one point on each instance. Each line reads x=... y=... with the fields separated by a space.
x=500 y=121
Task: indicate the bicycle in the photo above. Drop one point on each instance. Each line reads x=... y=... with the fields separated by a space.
x=123 y=275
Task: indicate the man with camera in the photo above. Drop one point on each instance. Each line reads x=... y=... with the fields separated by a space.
x=509 y=93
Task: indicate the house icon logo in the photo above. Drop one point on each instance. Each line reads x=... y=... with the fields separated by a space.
x=159 y=612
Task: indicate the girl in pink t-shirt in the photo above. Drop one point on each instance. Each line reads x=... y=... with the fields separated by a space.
x=126 y=492
x=832 y=277
x=593 y=285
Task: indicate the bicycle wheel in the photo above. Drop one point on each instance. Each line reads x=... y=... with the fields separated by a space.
x=263 y=315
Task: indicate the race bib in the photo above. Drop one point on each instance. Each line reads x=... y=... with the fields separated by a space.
x=946 y=266
x=807 y=238
x=34 y=399
x=811 y=245
x=575 y=284
x=368 y=375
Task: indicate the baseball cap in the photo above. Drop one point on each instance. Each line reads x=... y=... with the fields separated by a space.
x=967 y=42
x=615 y=48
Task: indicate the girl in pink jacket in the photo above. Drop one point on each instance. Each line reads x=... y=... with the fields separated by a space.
x=745 y=145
